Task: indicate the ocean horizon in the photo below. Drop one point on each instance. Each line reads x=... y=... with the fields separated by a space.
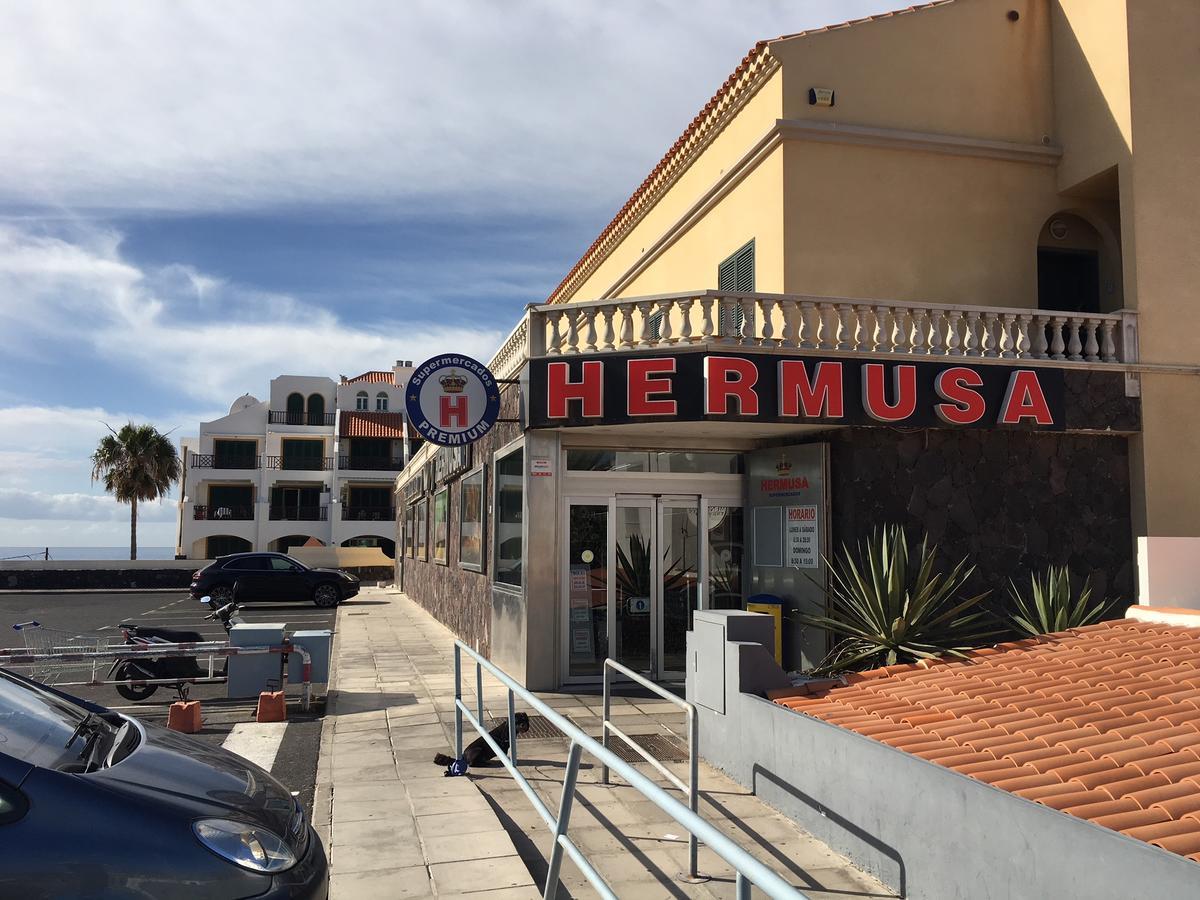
x=85 y=552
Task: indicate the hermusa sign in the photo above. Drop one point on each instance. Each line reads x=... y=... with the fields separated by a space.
x=622 y=389
x=452 y=400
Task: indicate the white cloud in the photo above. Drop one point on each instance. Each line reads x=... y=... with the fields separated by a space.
x=19 y=504
x=540 y=104
x=180 y=330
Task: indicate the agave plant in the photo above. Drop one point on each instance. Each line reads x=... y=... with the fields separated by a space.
x=1051 y=606
x=890 y=605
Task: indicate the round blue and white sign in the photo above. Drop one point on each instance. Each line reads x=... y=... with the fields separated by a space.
x=452 y=400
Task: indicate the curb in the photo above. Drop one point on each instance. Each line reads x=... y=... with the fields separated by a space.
x=131 y=590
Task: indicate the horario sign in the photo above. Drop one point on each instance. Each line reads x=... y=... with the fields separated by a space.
x=613 y=389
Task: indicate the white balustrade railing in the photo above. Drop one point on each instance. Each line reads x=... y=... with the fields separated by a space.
x=821 y=324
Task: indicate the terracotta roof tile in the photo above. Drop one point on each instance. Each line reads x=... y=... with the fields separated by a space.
x=1101 y=722
x=356 y=423
x=373 y=377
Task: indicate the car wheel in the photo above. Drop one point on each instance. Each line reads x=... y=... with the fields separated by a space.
x=327 y=596
x=222 y=594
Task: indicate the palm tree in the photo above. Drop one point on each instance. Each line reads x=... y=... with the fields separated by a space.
x=135 y=463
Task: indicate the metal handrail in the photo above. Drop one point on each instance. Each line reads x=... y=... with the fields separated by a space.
x=749 y=870
x=692 y=788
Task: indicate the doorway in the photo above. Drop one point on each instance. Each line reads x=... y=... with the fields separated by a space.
x=638 y=566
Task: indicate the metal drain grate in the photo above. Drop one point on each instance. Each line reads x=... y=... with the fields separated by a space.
x=662 y=747
x=539 y=729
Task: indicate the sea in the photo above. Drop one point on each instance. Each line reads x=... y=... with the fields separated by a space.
x=85 y=552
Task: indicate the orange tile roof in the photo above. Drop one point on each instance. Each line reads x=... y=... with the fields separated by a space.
x=375 y=376
x=680 y=154
x=371 y=424
x=1101 y=722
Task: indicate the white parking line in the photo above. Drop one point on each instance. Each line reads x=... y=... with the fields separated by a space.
x=256 y=741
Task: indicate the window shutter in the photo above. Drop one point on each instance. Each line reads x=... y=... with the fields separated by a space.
x=736 y=274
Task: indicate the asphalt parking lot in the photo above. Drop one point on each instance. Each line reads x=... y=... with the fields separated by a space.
x=288 y=751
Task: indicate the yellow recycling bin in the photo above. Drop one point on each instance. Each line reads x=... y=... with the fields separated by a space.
x=773 y=607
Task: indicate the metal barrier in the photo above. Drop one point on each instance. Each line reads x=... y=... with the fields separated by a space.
x=692 y=788
x=749 y=870
x=162 y=651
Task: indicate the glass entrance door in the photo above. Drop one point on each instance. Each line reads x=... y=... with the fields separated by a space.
x=638 y=567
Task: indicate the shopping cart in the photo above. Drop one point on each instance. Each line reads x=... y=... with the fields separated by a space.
x=51 y=642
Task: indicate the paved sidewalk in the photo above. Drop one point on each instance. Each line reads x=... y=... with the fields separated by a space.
x=396 y=828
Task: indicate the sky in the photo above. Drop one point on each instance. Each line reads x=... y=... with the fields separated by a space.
x=196 y=197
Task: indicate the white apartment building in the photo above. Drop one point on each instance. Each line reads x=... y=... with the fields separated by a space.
x=317 y=460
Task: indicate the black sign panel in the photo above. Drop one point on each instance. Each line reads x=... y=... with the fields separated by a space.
x=619 y=389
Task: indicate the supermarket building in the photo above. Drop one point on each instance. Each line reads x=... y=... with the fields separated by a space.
x=933 y=267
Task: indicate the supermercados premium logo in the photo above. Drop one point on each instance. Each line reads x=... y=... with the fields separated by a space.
x=452 y=400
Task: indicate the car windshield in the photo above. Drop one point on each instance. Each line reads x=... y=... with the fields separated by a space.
x=36 y=726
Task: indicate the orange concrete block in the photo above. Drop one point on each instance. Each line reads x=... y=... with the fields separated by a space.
x=184 y=717
x=272 y=707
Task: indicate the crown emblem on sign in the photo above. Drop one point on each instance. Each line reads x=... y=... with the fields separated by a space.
x=783 y=466
x=453 y=383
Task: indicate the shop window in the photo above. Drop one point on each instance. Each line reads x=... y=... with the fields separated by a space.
x=470 y=520
x=441 y=526
x=686 y=461
x=381 y=400
x=422 y=526
x=362 y=401
x=508 y=517
x=725 y=557
x=736 y=274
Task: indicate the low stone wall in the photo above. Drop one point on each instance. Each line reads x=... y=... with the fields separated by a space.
x=97 y=575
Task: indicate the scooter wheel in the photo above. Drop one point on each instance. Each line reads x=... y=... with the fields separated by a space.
x=131 y=691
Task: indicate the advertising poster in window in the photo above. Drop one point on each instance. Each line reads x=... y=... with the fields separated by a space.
x=470 y=528
x=441 y=526
x=581 y=610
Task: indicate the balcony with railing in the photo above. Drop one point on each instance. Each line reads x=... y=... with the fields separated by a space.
x=371 y=463
x=220 y=461
x=298 y=513
x=752 y=321
x=299 y=417
x=354 y=513
x=223 y=513
x=300 y=463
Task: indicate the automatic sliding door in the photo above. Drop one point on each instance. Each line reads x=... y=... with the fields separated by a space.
x=635 y=589
x=679 y=551
x=587 y=589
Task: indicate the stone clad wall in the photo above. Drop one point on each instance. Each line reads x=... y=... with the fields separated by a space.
x=1010 y=500
x=459 y=598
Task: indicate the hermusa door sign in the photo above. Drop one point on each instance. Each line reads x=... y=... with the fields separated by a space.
x=452 y=400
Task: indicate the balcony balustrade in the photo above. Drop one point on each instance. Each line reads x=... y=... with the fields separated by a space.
x=352 y=513
x=300 y=463
x=223 y=513
x=820 y=325
x=283 y=417
x=299 y=513
x=212 y=461
x=376 y=463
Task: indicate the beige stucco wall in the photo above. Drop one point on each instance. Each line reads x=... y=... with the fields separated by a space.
x=1165 y=97
x=915 y=226
x=1091 y=82
x=755 y=119
x=961 y=69
x=754 y=209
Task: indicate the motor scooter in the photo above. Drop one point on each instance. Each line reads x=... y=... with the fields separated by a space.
x=132 y=675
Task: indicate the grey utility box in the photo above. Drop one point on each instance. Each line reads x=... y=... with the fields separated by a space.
x=317 y=643
x=251 y=675
x=711 y=630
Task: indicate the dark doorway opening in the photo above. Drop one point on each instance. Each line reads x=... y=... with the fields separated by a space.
x=1069 y=280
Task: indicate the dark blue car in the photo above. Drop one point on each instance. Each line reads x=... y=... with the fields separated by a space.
x=94 y=804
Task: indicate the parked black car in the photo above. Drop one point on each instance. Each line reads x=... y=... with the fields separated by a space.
x=271 y=576
x=97 y=804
